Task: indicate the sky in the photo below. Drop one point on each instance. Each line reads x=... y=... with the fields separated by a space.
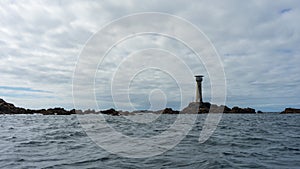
x=41 y=43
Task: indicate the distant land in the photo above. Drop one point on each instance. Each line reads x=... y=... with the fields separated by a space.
x=192 y=108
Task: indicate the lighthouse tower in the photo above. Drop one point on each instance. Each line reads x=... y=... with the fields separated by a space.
x=199 y=79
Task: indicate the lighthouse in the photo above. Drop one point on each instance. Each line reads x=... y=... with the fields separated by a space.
x=199 y=79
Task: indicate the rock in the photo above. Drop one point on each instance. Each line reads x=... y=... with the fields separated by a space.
x=126 y=113
x=89 y=111
x=259 y=112
x=192 y=108
x=78 y=111
x=4 y=107
x=242 y=110
x=291 y=111
x=225 y=109
x=112 y=112
x=206 y=107
x=219 y=109
x=41 y=111
x=8 y=108
x=169 y=111
x=56 y=111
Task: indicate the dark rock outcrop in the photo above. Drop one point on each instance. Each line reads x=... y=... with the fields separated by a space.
x=8 y=108
x=169 y=111
x=291 y=111
x=112 y=112
x=213 y=108
x=192 y=108
x=242 y=110
x=58 y=111
x=206 y=107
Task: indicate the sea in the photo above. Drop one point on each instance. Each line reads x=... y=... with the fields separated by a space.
x=268 y=140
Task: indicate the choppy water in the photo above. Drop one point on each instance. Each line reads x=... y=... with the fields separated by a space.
x=240 y=141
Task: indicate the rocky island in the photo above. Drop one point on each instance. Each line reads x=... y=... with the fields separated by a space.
x=192 y=108
x=290 y=111
x=9 y=108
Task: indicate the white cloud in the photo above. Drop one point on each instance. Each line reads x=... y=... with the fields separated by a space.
x=257 y=40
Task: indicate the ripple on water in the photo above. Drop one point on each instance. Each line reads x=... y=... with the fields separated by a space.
x=240 y=141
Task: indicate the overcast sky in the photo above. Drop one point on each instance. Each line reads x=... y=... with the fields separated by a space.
x=258 y=42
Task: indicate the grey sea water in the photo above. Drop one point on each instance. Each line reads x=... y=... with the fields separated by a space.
x=240 y=141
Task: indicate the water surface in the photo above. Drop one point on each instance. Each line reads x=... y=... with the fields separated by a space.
x=240 y=141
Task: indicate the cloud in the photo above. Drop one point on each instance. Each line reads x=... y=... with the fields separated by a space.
x=285 y=10
x=257 y=41
x=23 y=89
